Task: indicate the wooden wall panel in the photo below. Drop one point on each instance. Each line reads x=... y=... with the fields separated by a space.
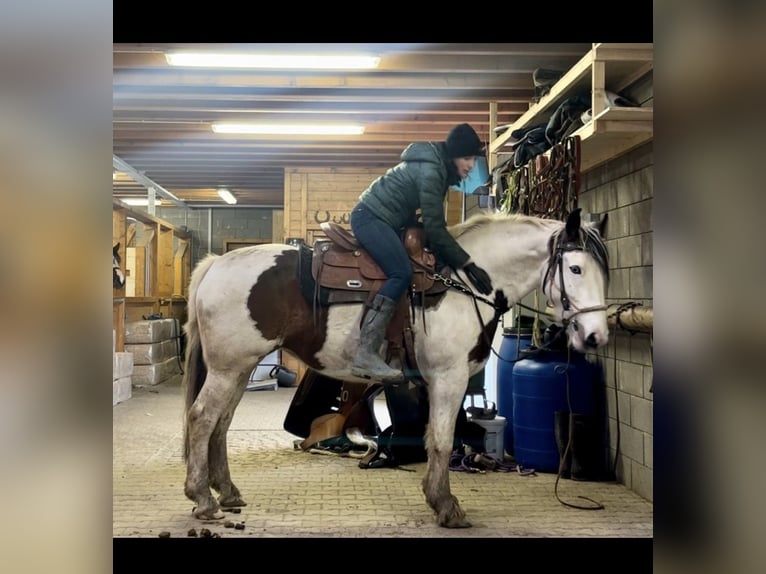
x=277 y=226
x=314 y=195
x=181 y=267
x=164 y=261
x=453 y=211
x=118 y=323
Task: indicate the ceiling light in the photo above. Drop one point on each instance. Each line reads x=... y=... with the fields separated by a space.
x=290 y=129
x=140 y=201
x=273 y=61
x=227 y=196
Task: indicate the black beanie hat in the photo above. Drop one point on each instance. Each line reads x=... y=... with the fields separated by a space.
x=462 y=141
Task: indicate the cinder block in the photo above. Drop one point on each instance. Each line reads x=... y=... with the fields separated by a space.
x=149 y=331
x=122 y=390
x=154 y=374
x=151 y=353
x=122 y=365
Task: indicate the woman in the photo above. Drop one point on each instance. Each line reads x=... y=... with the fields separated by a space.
x=389 y=204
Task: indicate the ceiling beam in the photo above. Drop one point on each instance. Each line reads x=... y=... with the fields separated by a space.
x=124 y=167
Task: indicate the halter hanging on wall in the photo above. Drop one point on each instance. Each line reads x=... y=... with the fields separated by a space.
x=547 y=185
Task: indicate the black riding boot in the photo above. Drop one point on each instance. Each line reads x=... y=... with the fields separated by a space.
x=587 y=451
x=561 y=431
x=368 y=362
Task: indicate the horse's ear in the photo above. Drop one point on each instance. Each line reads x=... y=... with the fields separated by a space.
x=116 y=248
x=602 y=226
x=573 y=225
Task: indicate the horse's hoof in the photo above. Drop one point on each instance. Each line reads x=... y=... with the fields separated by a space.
x=456 y=523
x=209 y=514
x=454 y=520
x=233 y=502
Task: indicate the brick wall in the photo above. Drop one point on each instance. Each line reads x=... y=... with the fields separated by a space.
x=623 y=189
x=211 y=228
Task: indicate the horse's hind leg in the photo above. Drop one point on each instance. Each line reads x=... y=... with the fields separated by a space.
x=203 y=417
x=220 y=476
x=444 y=404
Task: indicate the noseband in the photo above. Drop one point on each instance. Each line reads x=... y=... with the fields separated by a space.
x=557 y=260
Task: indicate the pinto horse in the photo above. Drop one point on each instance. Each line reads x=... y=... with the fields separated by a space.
x=245 y=304
x=118 y=276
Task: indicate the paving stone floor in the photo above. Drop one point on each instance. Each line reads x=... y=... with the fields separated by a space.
x=291 y=493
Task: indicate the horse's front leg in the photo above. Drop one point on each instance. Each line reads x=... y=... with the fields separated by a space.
x=218 y=460
x=445 y=395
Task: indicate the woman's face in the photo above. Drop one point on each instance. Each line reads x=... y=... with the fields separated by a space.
x=464 y=165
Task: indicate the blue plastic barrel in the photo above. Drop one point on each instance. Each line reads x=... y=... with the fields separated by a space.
x=515 y=340
x=539 y=390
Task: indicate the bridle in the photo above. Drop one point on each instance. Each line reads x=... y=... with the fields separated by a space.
x=557 y=261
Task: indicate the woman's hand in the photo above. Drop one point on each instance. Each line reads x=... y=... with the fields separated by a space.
x=479 y=278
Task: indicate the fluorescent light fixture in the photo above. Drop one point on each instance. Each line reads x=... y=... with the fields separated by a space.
x=227 y=196
x=140 y=201
x=290 y=129
x=272 y=61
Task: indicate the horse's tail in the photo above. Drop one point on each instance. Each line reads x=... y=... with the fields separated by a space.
x=195 y=369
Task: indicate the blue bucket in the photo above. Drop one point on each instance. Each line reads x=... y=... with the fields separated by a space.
x=515 y=340
x=539 y=390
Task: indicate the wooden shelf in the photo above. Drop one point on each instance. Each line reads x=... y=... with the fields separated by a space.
x=613 y=131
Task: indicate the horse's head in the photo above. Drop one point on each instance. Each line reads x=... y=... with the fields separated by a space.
x=575 y=283
x=118 y=277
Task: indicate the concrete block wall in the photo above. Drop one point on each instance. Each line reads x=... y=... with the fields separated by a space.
x=211 y=227
x=623 y=189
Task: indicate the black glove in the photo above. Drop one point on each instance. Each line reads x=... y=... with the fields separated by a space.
x=479 y=278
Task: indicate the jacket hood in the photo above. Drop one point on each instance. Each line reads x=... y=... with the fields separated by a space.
x=425 y=151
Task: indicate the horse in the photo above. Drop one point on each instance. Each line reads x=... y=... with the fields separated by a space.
x=118 y=276
x=248 y=302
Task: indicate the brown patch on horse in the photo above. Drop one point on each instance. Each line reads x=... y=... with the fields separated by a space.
x=430 y=300
x=482 y=348
x=285 y=314
x=480 y=351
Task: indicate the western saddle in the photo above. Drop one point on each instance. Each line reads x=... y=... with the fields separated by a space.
x=349 y=274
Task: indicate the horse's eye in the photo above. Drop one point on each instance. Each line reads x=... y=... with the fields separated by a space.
x=575 y=269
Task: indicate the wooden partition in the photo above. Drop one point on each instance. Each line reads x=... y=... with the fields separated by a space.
x=156 y=259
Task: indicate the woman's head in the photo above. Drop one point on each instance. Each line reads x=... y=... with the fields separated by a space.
x=463 y=145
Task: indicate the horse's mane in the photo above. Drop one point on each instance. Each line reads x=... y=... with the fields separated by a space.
x=591 y=239
x=481 y=219
x=594 y=245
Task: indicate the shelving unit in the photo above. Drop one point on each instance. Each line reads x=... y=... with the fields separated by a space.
x=612 y=131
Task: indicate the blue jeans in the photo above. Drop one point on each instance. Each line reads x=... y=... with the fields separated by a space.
x=385 y=246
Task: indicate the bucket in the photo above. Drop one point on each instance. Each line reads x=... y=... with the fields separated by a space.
x=493 y=437
x=515 y=340
x=539 y=390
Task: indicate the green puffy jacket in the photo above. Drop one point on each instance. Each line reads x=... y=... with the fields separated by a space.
x=420 y=180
